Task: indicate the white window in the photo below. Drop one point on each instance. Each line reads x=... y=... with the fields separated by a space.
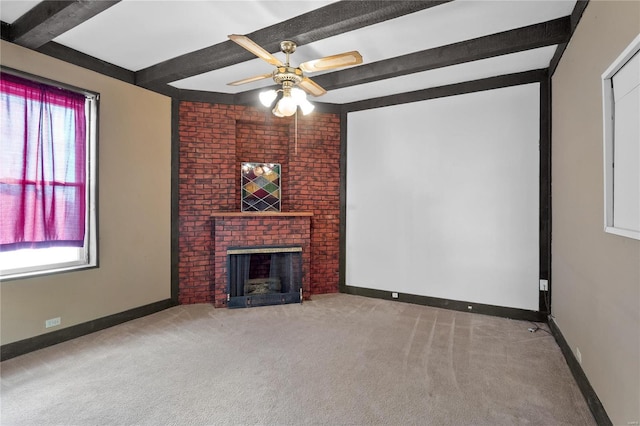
x=46 y=233
x=621 y=107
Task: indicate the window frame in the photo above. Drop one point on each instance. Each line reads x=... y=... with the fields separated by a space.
x=88 y=256
x=608 y=110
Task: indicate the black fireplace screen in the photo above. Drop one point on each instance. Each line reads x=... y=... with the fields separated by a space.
x=259 y=276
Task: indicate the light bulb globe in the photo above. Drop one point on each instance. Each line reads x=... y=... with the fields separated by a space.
x=306 y=107
x=298 y=95
x=276 y=112
x=286 y=106
x=267 y=97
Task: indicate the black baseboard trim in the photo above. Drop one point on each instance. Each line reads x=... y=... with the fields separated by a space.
x=21 y=347
x=454 y=305
x=598 y=411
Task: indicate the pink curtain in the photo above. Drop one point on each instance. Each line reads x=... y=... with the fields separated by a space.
x=42 y=165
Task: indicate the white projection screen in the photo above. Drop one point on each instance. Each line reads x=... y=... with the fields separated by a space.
x=443 y=198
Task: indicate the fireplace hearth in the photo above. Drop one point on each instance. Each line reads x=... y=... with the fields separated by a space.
x=259 y=276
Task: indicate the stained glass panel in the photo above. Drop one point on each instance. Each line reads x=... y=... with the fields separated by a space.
x=260 y=187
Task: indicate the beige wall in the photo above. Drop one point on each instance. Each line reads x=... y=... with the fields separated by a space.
x=596 y=276
x=134 y=164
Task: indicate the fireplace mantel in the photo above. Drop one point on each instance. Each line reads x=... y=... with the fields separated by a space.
x=261 y=214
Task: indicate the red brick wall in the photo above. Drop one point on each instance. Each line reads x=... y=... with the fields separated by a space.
x=214 y=140
x=268 y=143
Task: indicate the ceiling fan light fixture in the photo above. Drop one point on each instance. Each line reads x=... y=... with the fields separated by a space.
x=267 y=97
x=292 y=98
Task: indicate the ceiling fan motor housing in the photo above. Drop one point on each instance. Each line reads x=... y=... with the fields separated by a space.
x=287 y=74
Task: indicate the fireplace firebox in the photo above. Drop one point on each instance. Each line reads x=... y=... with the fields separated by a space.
x=259 y=276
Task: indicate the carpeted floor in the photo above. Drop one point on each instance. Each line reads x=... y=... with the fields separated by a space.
x=338 y=359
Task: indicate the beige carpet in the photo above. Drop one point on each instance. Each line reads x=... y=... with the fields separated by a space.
x=338 y=359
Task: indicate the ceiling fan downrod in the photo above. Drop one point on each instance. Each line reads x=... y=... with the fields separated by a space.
x=287 y=47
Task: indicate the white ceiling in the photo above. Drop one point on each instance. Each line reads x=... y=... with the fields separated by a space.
x=12 y=10
x=136 y=34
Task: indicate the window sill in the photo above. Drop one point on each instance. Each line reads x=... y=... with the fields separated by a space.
x=50 y=271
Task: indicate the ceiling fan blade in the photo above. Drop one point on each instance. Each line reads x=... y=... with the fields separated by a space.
x=311 y=87
x=255 y=48
x=250 y=79
x=330 y=62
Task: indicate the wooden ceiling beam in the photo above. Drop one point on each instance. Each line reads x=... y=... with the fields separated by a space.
x=534 y=36
x=578 y=10
x=48 y=19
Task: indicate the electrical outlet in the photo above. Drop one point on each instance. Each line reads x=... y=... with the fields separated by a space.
x=544 y=285
x=52 y=322
x=394 y=295
x=578 y=356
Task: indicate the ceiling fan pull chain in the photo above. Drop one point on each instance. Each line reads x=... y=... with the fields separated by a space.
x=296 y=134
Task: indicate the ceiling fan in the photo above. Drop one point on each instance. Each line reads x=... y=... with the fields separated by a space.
x=292 y=79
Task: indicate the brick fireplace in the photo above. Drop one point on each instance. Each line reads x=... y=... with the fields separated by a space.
x=258 y=230
x=214 y=140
